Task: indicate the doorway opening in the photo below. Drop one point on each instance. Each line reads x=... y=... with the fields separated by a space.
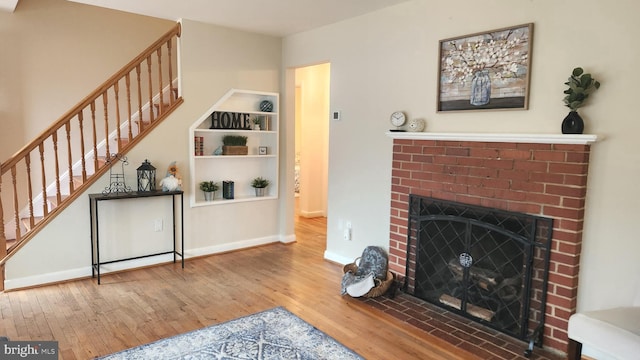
x=311 y=140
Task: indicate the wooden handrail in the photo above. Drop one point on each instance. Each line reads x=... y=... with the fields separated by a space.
x=100 y=112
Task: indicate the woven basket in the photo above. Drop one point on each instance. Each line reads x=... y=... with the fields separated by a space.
x=381 y=286
x=235 y=150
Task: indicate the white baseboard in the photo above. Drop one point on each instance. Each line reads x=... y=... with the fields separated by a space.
x=238 y=245
x=337 y=258
x=79 y=273
x=288 y=239
x=54 y=277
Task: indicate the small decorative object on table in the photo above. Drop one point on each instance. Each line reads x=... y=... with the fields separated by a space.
x=262 y=150
x=416 y=125
x=209 y=188
x=146 y=177
x=397 y=119
x=580 y=85
x=227 y=189
x=260 y=184
x=116 y=180
x=234 y=145
x=172 y=181
x=256 y=123
x=266 y=106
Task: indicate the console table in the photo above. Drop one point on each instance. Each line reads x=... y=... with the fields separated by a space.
x=94 y=201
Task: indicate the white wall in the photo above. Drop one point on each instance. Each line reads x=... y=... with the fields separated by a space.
x=388 y=60
x=214 y=59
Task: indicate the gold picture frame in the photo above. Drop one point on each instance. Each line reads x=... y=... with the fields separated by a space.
x=486 y=71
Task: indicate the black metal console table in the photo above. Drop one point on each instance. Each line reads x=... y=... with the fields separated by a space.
x=94 y=200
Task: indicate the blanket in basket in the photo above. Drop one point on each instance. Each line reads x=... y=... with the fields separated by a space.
x=373 y=265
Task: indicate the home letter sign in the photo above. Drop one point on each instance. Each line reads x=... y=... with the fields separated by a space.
x=230 y=120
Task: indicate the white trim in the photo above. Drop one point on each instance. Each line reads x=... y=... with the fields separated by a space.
x=47 y=278
x=238 y=245
x=79 y=273
x=482 y=137
x=83 y=272
x=337 y=258
x=288 y=239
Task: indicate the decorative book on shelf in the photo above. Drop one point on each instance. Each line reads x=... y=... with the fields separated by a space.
x=198 y=145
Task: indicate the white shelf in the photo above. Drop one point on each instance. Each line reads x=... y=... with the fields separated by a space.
x=252 y=132
x=245 y=112
x=227 y=157
x=220 y=201
x=238 y=168
x=499 y=137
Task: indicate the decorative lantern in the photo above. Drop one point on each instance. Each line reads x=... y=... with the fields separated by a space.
x=146 y=177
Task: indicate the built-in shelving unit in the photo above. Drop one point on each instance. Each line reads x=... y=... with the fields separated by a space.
x=241 y=105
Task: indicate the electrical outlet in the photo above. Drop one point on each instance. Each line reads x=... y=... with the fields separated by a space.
x=157 y=225
x=347 y=231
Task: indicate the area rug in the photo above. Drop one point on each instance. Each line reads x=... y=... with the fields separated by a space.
x=268 y=335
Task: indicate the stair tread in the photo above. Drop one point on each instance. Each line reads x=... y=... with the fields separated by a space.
x=54 y=199
x=10 y=243
x=27 y=224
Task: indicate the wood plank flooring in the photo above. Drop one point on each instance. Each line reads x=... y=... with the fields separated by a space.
x=140 y=306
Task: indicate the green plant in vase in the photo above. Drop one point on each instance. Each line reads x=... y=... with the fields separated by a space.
x=234 y=140
x=234 y=145
x=209 y=188
x=260 y=184
x=256 y=123
x=580 y=86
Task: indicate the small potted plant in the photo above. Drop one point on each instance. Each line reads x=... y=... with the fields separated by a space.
x=260 y=184
x=234 y=145
x=256 y=123
x=580 y=85
x=209 y=188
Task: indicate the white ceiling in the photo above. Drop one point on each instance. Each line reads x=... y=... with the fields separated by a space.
x=272 y=17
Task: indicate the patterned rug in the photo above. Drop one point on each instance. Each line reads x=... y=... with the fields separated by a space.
x=268 y=335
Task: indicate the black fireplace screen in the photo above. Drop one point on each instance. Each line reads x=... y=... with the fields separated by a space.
x=486 y=264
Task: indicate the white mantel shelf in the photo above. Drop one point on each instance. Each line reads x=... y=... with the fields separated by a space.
x=486 y=137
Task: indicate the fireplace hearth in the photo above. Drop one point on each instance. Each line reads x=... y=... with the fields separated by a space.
x=486 y=264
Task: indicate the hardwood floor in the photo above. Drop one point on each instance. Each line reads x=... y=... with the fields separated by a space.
x=140 y=306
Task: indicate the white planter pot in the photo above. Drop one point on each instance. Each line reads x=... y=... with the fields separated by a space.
x=209 y=195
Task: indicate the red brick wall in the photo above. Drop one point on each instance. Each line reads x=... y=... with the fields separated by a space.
x=540 y=179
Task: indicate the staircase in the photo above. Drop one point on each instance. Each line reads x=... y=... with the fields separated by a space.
x=50 y=172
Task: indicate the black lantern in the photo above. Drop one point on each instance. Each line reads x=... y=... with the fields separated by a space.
x=146 y=177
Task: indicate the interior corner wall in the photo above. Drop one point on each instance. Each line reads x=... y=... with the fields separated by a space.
x=387 y=61
x=213 y=60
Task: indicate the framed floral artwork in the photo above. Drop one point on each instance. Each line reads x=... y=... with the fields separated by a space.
x=486 y=71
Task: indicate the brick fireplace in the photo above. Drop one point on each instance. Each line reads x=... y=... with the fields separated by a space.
x=542 y=175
